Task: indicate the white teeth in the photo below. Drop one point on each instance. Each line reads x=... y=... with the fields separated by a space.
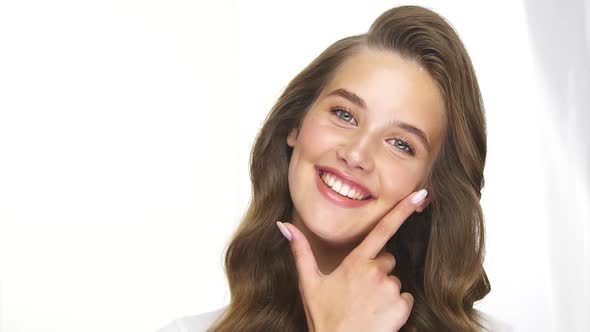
x=331 y=180
x=337 y=186
x=342 y=189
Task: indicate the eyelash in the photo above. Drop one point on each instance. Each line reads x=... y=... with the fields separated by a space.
x=337 y=111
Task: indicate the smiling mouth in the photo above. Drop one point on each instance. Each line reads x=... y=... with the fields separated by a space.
x=342 y=188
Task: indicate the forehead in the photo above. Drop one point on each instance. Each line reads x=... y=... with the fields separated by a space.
x=384 y=77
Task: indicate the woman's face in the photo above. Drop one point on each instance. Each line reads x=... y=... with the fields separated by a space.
x=374 y=130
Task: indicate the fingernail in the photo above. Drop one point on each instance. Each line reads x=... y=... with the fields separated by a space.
x=419 y=196
x=284 y=230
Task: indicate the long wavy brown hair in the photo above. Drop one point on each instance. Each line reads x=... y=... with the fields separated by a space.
x=439 y=257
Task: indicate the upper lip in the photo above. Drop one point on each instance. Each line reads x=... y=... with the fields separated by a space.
x=347 y=179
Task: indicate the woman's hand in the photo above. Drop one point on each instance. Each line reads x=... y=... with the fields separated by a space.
x=359 y=295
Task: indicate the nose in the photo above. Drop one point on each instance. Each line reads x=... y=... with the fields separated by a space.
x=356 y=154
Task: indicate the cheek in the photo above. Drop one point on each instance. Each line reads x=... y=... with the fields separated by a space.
x=400 y=180
x=309 y=147
x=315 y=137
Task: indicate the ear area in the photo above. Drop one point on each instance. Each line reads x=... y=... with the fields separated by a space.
x=292 y=137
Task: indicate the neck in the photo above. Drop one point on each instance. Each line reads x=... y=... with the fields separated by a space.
x=328 y=256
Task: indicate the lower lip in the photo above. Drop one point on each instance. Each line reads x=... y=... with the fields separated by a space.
x=338 y=199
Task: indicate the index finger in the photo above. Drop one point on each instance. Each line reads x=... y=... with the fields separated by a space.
x=388 y=226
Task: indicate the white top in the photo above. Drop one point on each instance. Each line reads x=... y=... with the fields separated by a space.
x=200 y=323
x=195 y=323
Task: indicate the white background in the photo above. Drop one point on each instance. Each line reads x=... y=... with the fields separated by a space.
x=126 y=126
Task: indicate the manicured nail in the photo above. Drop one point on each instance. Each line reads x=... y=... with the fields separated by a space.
x=419 y=196
x=284 y=230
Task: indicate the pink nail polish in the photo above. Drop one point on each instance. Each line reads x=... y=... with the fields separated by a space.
x=284 y=231
x=419 y=196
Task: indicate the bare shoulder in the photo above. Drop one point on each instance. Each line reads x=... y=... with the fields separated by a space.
x=194 y=323
x=493 y=324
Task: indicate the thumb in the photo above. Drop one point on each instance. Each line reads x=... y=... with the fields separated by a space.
x=305 y=262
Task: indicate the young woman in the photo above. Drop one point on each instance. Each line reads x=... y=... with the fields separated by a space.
x=373 y=160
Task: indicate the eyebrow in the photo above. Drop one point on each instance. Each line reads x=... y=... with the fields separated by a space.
x=355 y=99
x=351 y=96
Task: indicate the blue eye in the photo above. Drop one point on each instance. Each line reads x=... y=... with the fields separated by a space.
x=404 y=146
x=344 y=115
x=348 y=117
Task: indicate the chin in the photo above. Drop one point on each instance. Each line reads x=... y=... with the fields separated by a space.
x=333 y=233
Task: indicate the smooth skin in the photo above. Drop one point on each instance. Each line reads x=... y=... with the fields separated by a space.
x=359 y=295
x=343 y=270
x=365 y=144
